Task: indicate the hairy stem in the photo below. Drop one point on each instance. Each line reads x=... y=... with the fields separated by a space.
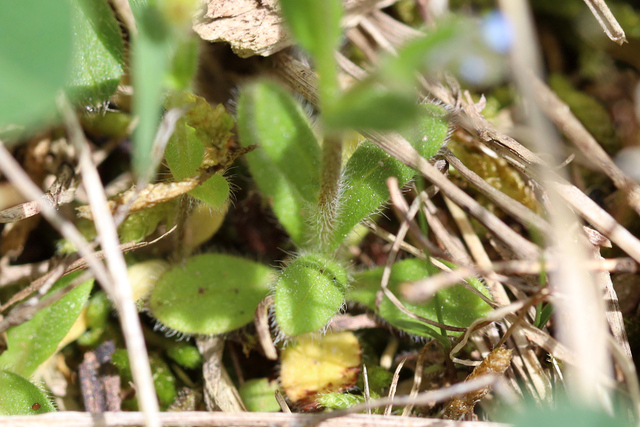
x=329 y=190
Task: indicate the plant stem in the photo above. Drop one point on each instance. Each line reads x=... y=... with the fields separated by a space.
x=330 y=188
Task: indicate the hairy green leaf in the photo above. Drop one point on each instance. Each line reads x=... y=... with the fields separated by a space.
x=455 y=306
x=369 y=106
x=365 y=187
x=19 y=397
x=429 y=132
x=98 y=52
x=210 y=294
x=35 y=58
x=286 y=164
x=309 y=292
x=339 y=400
x=34 y=341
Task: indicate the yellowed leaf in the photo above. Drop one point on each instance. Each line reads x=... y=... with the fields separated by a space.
x=324 y=364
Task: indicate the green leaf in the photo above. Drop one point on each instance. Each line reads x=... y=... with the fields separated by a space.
x=369 y=106
x=430 y=131
x=34 y=341
x=455 y=306
x=258 y=395
x=214 y=192
x=35 y=58
x=309 y=292
x=142 y=223
x=19 y=397
x=210 y=294
x=163 y=381
x=365 y=190
x=339 y=400
x=543 y=314
x=286 y=164
x=150 y=60
x=185 y=355
x=98 y=53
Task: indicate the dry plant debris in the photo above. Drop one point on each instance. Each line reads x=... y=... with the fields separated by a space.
x=489 y=214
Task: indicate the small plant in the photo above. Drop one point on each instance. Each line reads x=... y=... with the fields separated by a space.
x=318 y=197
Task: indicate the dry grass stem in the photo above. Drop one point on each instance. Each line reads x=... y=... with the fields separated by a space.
x=119 y=287
x=607 y=21
x=394 y=386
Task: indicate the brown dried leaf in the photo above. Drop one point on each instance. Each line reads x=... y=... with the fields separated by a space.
x=255 y=27
x=154 y=194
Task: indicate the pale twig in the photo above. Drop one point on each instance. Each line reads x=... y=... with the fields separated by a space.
x=494 y=316
x=424 y=398
x=366 y=391
x=390 y=237
x=260 y=419
x=73 y=265
x=12 y=274
x=25 y=312
x=19 y=178
x=261 y=320
x=57 y=194
x=629 y=370
x=607 y=21
x=402 y=150
x=560 y=114
x=452 y=243
x=282 y=402
x=417 y=376
x=420 y=290
x=394 y=386
x=403 y=212
x=389 y=352
x=219 y=391
x=119 y=289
